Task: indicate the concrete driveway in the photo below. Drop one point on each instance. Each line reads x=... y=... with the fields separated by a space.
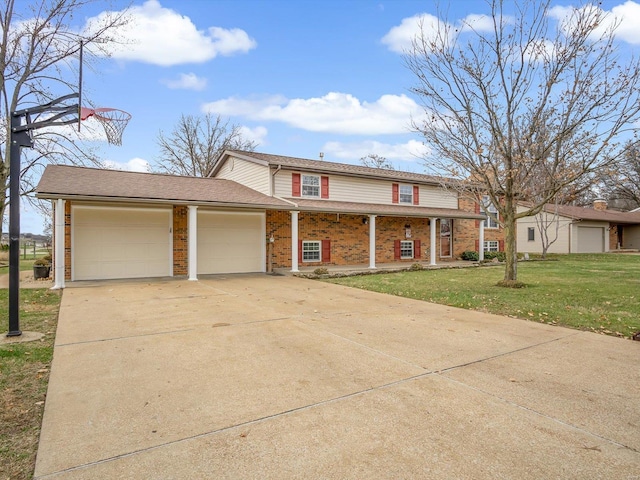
x=253 y=377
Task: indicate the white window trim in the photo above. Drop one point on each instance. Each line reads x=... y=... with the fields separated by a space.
x=402 y=248
x=302 y=185
x=491 y=246
x=410 y=194
x=309 y=242
x=488 y=208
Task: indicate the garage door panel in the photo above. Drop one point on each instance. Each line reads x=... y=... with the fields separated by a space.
x=121 y=243
x=590 y=239
x=230 y=243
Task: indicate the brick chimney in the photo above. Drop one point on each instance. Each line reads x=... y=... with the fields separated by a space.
x=599 y=204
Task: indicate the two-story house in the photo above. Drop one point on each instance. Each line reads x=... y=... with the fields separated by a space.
x=255 y=212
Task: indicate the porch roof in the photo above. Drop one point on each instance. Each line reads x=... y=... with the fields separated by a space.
x=394 y=210
x=62 y=181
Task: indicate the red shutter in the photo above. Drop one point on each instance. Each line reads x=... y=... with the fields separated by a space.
x=295 y=184
x=478 y=246
x=396 y=249
x=395 y=193
x=324 y=187
x=416 y=195
x=416 y=249
x=501 y=245
x=478 y=212
x=299 y=251
x=326 y=251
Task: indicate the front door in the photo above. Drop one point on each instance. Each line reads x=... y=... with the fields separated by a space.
x=445 y=237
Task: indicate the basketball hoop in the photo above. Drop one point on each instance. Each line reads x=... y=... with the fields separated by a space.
x=113 y=121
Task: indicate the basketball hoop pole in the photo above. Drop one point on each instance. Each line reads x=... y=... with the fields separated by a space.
x=20 y=136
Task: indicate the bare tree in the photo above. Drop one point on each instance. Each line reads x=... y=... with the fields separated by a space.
x=376 y=161
x=488 y=93
x=621 y=185
x=38 y=54
x=196 y=143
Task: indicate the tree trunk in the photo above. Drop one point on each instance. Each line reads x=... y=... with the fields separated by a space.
x=511 y=254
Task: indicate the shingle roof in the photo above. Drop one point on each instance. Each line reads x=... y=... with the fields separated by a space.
x=293 y=163
x=583 y=213
x=382 y=209
x=93 y=183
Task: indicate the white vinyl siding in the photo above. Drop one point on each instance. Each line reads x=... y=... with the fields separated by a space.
x=246 y=173
x=364 y=190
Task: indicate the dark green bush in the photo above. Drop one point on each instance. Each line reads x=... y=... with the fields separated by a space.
x=470 y=255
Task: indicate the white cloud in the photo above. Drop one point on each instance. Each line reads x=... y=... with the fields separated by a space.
x=400 y=38
x=162 y=36
x=477 y=22
x=333 y=113
x=410 y=151
x=257 y=135
x=626 y=14
x=187 y=81
x=133 y=165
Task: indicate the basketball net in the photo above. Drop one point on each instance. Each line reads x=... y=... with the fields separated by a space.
x=113 y=121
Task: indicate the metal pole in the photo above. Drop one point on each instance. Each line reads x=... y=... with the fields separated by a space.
x=14 y=230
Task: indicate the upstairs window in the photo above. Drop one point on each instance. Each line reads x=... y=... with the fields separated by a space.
x=491 y=212
x=406 y=194
x=310 y=186
x=531 y=234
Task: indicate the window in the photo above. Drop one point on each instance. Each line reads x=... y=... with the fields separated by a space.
x=491 y=212
x=406 y=249
x=310 y=186
x=406 y=194
x=491 y=246
x=531 y=234
x=311 y=251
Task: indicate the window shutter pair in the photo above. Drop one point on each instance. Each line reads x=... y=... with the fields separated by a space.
x=296 y=186
x=395 y=194
x=417 y=249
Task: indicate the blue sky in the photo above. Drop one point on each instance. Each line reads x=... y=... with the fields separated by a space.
x=301 y=77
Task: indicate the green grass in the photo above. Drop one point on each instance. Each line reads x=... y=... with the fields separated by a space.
x=24 y=376
x=587 y=292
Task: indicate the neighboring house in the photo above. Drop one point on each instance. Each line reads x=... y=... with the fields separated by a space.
x=256 y=212
x=580 y=229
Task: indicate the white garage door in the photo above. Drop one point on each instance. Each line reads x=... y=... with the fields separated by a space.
x=590 y=239
x=120 y=243
x=230 y=242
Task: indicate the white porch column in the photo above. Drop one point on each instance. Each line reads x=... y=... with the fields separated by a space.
x=192 y=235
x=294 y=241
x=481 y=242
x=58 y=247
x=432 y=247
x=372 y=241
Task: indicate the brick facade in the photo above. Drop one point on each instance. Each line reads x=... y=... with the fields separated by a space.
x=180 y=240
x=349 y=237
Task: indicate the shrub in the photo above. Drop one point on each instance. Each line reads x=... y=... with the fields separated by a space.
x=470 y=255
x=416 y=266
x=41 y=262
x=321 y=271
x=491 y=255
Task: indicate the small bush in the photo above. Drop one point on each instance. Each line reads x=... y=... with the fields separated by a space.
x=511 y=284
x=41 y=262
x=47 y=258
x=501 y=256
x=321 y=271
x=416 y=266
x=470 y=255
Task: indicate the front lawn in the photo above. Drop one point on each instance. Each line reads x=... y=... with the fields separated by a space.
x=588 y=292
x=24 y=376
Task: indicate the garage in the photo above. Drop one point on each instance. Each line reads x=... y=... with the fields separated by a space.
x=109 y=243
x=230 y=242
x=590 y=239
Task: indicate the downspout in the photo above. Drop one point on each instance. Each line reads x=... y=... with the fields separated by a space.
x=272 y=183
